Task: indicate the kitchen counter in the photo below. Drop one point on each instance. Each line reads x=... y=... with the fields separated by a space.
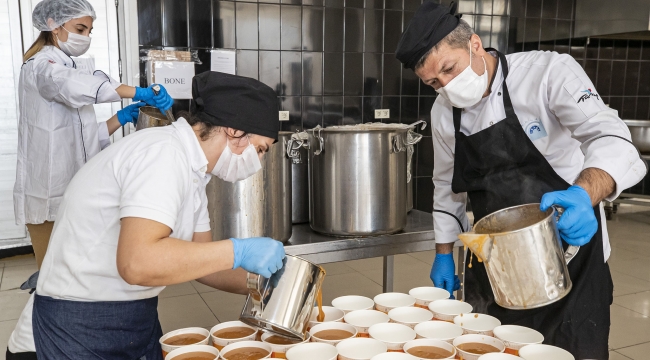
x=321 y=249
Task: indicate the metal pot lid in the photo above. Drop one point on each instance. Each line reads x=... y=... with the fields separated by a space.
x=374 y=126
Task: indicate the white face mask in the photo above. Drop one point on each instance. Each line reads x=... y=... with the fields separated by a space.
x=232 y=167
x=467 y=88
x=76 y=45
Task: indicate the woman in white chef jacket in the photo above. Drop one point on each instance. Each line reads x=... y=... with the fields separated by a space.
x=134 y=219
x=58 y=131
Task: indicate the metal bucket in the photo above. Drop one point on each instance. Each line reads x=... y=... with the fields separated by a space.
x=150 y=116
x=523 y=256
x=283 y=303
x=357 y=179
x=257 y=206
x=299 y=180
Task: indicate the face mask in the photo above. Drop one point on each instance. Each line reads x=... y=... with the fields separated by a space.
x=467 y=88
x=76 y=45
x=232 y=167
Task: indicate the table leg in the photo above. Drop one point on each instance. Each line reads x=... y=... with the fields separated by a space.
x=460 y=294
x=389 y=267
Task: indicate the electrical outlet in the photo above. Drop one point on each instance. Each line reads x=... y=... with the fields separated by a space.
x=284 y=116
x=382 y=113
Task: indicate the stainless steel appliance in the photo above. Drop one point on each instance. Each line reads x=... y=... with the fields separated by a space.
x=624 y=19
x=357 y=178
x=150 y=116
x=523 y=256
x=299 y=179
x=283 y=303
x=257 y=206
x=640 y=131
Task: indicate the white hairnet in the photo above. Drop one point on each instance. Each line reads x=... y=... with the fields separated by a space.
x=50 y=14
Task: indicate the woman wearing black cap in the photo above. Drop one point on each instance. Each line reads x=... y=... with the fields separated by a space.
x=135 y=219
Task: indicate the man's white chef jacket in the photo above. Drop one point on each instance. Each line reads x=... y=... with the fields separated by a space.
x=560 y=111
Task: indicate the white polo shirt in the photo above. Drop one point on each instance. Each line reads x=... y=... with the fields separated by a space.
x=157 y=174
x=562 y=114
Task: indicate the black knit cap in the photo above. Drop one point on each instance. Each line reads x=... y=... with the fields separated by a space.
x=237 y=102
x=430 y=24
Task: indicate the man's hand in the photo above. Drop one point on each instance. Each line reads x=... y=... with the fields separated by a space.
x=578 y=223
x=443 y=273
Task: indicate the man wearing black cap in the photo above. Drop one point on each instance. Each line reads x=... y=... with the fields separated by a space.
x=510 y=130
x=134 y=219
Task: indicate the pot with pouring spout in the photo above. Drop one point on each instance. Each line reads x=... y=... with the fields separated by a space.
x=523 y=256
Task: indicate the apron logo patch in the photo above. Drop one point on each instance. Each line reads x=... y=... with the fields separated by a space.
x=535 y=130
x=587 y=94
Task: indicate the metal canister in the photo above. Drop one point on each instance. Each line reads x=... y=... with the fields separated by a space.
x=150 y=116
x=523 y=256
x=257 y=206
x=283 y=303
x=299 y=179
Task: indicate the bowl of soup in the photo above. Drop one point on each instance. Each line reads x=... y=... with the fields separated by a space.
x=230 y=332
x=472 y=346
x=280 y=344
x=246 y=350
x=183 y=337
x=430 y=349
x=332 y=333
x=194 y=352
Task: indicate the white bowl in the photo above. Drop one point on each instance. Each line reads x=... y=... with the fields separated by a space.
x=193 y=348
x=360 y=349
x=394 y=356
x=544 y=352
x=515 y=337
x=473 y=338
x=243 y=344
x=312 y=351
x=362 y=320
x=438 y=330
x=498 y=356
x=430 y=342
x=191 y=330
x=220 y=343
x=426 y=294
x=353 y=302
x=410 y=315
x=331 y=314
x=278 y=350
x=447 y=309
x=330 y=326
x=392 y=334
x=480 y=324
x=388 y=301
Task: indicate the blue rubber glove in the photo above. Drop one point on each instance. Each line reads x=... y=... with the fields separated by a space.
x=578 y=223
x=129 y=114
x=162 y=101
x=260 y=255
x=443 y=273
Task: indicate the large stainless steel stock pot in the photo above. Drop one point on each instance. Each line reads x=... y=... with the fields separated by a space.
x=150 y=116
x=257 y=206
x=358 y=177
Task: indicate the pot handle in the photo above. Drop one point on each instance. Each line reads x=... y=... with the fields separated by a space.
x=321 y=143
x=398 y=144
x=572 y=250
x=256 y=285
x=424 y=124
x=297 y=141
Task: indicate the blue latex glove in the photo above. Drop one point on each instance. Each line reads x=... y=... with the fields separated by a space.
x=443 y=273
x=129 y=114
x=162 y=101
x=260 y=255
x=578 y=223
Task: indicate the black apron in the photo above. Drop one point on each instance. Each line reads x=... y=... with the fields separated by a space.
x=106 y=330
x=500 y=167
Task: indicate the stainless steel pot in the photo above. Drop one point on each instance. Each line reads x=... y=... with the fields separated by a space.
x=257 y=206
x=299 y=180
x=640 y=131
x=150 y=116
x=357 y=179
x=523 y=256
x=283 y=303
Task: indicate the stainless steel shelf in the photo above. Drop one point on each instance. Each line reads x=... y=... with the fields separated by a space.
x=321 y=249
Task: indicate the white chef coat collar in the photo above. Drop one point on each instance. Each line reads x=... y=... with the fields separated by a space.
x=197 y=156
x=61 y=56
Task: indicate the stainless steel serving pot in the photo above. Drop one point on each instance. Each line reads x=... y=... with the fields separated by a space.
x=523 y=256
x=257 y=206
x=150 y=116
x=283 y=303
x=640 y=131
x=357 y=178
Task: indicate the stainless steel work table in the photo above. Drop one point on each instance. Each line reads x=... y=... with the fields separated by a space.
x=323 y=249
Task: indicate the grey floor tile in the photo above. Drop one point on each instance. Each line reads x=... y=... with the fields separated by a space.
x=185 y=288
x=628 y=328
x=425 y=256
x=636 y=352
x=184 y=311
x=638 y=268
x=639 y=302
x=12 y=303
x=626 y=284
x=14 y=276
x=366 y=264
x=6 y=327
x=613 y=355
x=19 y=260
x=337 y=268
x=348 y=284
x=225 y=306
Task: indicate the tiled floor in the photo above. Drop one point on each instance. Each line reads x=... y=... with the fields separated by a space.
x=194 y=304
